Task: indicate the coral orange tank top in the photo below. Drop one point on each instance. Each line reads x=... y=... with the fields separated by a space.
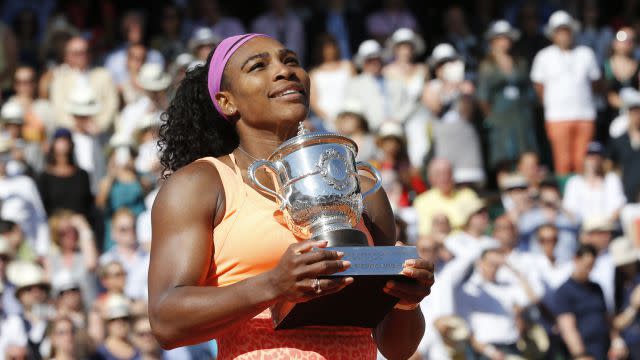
x=249 y=240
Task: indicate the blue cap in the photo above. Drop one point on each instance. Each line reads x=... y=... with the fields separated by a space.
x=61 y=132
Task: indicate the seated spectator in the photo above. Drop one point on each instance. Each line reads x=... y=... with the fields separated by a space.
x=144 y=341
x=73 y=252
x=113 y=277
x=20 y=202
x=351 y=122
x=581 y=310
x=552 y=271
x=26 y=156
x=406 y=46
x=38 y=114
x=283 y=24
x=67 y=298
x=529 y=167
x=202 y=42
x=627 y=291
x=515 y=196
x=127 y=252
x=18 y=248
x=488 y=307
x=329 y=79
x=548 y=210
x=67 y=340
x=63 y=173
x=393 y=15
x=76 y=72
x=594 y=193
x=625 y=152
x=597 y=232
x=130 y=90
x=442 y=198
x=385 y=98
x=117 y=344
x=8 y=303
x=470 y=242
x=459 y=34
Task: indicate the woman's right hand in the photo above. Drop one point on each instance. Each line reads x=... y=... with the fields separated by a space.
x=294 y=279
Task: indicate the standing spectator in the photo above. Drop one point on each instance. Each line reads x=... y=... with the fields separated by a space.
x=67 y=341
x=169 y=40
x=26 y=156
x=340 y=20
x=581 y=310
x=210 y=15
x=62 y=174
x=202 y=42
x=75 y=72
x=8 y=57
x=458 y=34
x=38 y=118
x=627 y=319
x=597 y=232
x=531 y=40
x=117 y=344
x=282 y=23
x=506 y=97
x=564 y=75
x=383 y=99
x=595 y=33
x=329 y=79
x=21 y=203
x=472 y=240
x=594 y=193
x=625 y=152
x=621 y=69
x=130 y=90
x=352 y=123
x=393 y=16
x=133 y=30
x=442 y=198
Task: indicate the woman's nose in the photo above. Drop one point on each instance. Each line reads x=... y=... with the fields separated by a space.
x=283 y=71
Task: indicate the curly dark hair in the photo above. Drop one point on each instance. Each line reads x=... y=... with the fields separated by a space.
x=191 y=127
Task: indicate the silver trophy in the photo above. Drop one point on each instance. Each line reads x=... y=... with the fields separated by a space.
x=316 y=185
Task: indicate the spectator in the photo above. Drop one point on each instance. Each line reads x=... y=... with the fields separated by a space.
x=26 y=156
x=8 y=57
x=147 y=163
x=627 y=292
x=21 y=203
x=488 y=308
x=506 y=97
x=470 y=242
x=112 y=276
x=596 y=232
x=283 y=24
x=74 y=252
x=202 y=42
x=61 y=174
x=531 y=41
x=38 y=118
x=76 y=73
x=625 y=151
x=340 y=20
x=529 y=167
x=567 y=96
x=393 y=16
x=9 y=304
x=515 y=196
x=595 y=34
x=352 y=123
x=458 y=34
x=67 y=340
x=621 y=69
x=594 y=193
x=133 y=29
x=117 y=317
x=130 y=90
x=18 y=247
x=581 y=310
x=329 y=80
x=630 y=99
x=67 y=296
x=210 y=15
x=385 y=98
x=143 y=340
x=443 y=198
x=169 y=41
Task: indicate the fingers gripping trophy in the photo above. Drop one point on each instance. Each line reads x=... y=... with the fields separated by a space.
x=319 y=194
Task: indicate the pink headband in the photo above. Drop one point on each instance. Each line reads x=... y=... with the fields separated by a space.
x=221 y=55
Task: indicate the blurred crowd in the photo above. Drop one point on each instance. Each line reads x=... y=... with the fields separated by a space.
x=508 y=143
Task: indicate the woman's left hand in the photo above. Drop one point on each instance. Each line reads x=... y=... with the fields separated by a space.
x=411 y=294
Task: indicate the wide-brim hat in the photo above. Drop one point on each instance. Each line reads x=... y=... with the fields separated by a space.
x=62 y=281
x=442 y=53
x=352 y=106
x=406 y=35
x=152 y=77
x=558 y=19
x=390 y=129
x=203 y=36
x=82 y=102
x=369 y=49
x=24 y=274
x=116 y=307
x=12 y=113
x=597 y=223
x=622 y=252
x=502 y=28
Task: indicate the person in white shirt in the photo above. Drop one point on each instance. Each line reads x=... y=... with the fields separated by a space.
x=564 y=76
x=470 y=242
x=596 y=231
x=594 y=193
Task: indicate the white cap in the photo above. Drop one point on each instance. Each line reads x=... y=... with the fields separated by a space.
x=82 y=101
x=390 y=128
x=64 y=280
x=116 y=307
x=441 y=53
x=596 y=223
x=558 y=19
x=12 y=113
x=369 y=49
x=203 y=36
x=152 y=77
x=502 y=27
x=406 y=35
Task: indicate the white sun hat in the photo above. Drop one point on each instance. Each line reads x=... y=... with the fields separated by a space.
x=64 y=280
x=82 y=101
x=623 y=252
x=12 y=113
x=391 y=129
x=558 y=19
x=502 y=27
x=116 y=307
x=24 y=274
x=441 y=53
x=406 y=35
x=368 y=49
x=203 y=36
x=153 y=78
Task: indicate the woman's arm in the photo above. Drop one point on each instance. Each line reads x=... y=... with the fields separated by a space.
x=626 y=317
x=399 y=334
x=182 y=309
x=86 y=242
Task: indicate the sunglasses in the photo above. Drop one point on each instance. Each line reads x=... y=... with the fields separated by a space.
x=116 y=274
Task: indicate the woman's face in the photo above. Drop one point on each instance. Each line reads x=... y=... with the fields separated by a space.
x=403 y=52
x=61 y=146
x=118 y=328
x=25 y=82
x=329 y=52
x=267 y=87
x=62 y=336
x=70 y=300
x=67 y=236
x=624 y=41
x=501 y=44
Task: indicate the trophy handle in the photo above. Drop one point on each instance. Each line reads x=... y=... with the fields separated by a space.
x=361 y=165
x=251 y=172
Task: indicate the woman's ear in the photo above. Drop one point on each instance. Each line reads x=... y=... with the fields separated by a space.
x=226 y=104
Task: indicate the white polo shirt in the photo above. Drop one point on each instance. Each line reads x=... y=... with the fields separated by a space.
x=566 y=76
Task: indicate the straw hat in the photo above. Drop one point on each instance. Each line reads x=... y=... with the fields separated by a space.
x=116 y=307
x=502 y=27
x=458 y=329
x=12 y=113
x=203 y=36
x=152 y=78
x=406 y=35
x=368 y=49
x=623 y=252
x=82 y=101
x=598 y=223
x=24 y=274
x=442 y=53
x=63 y=281
x=558 y=19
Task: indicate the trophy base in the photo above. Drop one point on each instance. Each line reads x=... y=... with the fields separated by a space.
x=360 y=304
x=343 y=237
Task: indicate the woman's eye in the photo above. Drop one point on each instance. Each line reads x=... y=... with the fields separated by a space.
x=256 y=66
